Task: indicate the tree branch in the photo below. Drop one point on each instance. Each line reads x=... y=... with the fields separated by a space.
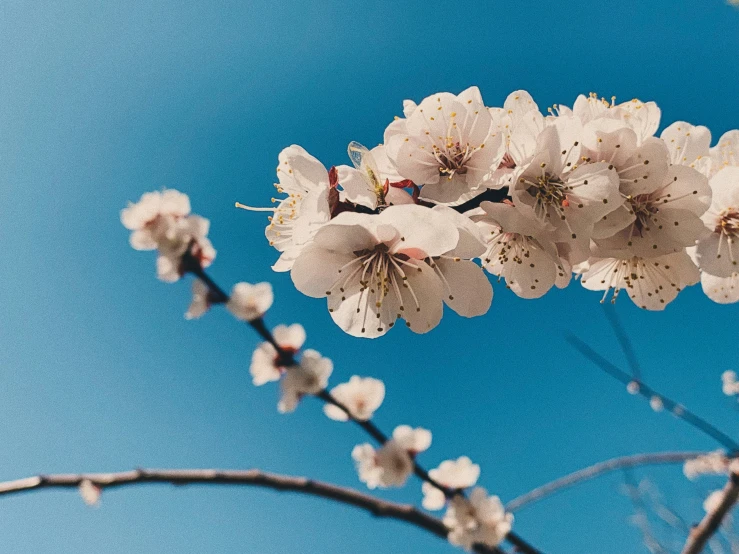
x=597 y=470
x=703 y=532
x=252 y=477
x=190 y=264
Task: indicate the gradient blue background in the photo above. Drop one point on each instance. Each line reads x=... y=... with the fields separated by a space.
x=102 y=101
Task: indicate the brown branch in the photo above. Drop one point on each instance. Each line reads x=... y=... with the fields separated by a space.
x=253 y=477
x=703 y=532
x=597 y=470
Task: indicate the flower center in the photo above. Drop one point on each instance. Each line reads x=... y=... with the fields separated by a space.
x=728 y=223
x=644 y=209
x=452 y=158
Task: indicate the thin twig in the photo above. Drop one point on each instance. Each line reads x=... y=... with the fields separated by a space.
x=623 y=340
x=596 y=470
x=703 y=532
x=641 y=516
x=192 y=265
x=253 y=477
x=648 y=392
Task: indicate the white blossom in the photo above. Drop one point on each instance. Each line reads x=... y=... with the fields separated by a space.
x=641 y=117
x=201 y=300
x=712 y=463
x=370 y=182
x=651 y=283
x=249 y=302
x=656 y=403
x=713 y=501
x=162 y=221
x=449 y=145
x=688 y=144
x=452 y=474
x=726 y=152
x=718 y=253
x=520 y=122
x=296 y=218
x=481 y=519
x=266 y=365
x=566 y=195
x=150 y=218
x=90 y=492
x=392 y=463
x=519 y=249
x=310 y=376
x=662 y=205
x=375 y=269
x=361 y=396
x=730 y=384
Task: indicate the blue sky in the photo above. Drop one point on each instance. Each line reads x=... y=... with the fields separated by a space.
x=100 y=102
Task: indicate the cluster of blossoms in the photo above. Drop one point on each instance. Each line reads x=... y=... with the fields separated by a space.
x=162 y=221
x=437 y=243
x=588 y=190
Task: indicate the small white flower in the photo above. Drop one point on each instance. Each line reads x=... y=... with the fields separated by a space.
x=712 y=463
x=718 y=253
x=361 y=396
x=449 y=145
x=90 y=492
x=656 y=404
x=266 y=365
x=249 y=302
x=391 y=464
x=726 y=152
x=162 y=221
x=641 y=117
x=688 y=144
x=296 y=218
x=651 y=283
x=201 y=300
x=453 y=474
x=633 y=387
x=309 y=377
x=713 y=501
x=150 y=217
x=730 y=383
x=481 y=519
x=566 y=195
x=519 y=249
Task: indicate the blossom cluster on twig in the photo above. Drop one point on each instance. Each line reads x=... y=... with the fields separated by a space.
x=476 y=521
x=588 y=190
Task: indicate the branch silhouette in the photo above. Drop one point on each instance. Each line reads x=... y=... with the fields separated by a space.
x=250 y=477
x=702 y=533
x=596 y=470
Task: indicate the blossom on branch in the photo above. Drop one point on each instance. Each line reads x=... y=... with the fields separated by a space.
x=449 y=145
x=249 y=302
x=162 y=221
x=375 y=270
x=479 y=519
x=392 y=463
x=90 y=493
x=452 y=474
x=310 y=376
x=361 y=396
x=266 y=363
